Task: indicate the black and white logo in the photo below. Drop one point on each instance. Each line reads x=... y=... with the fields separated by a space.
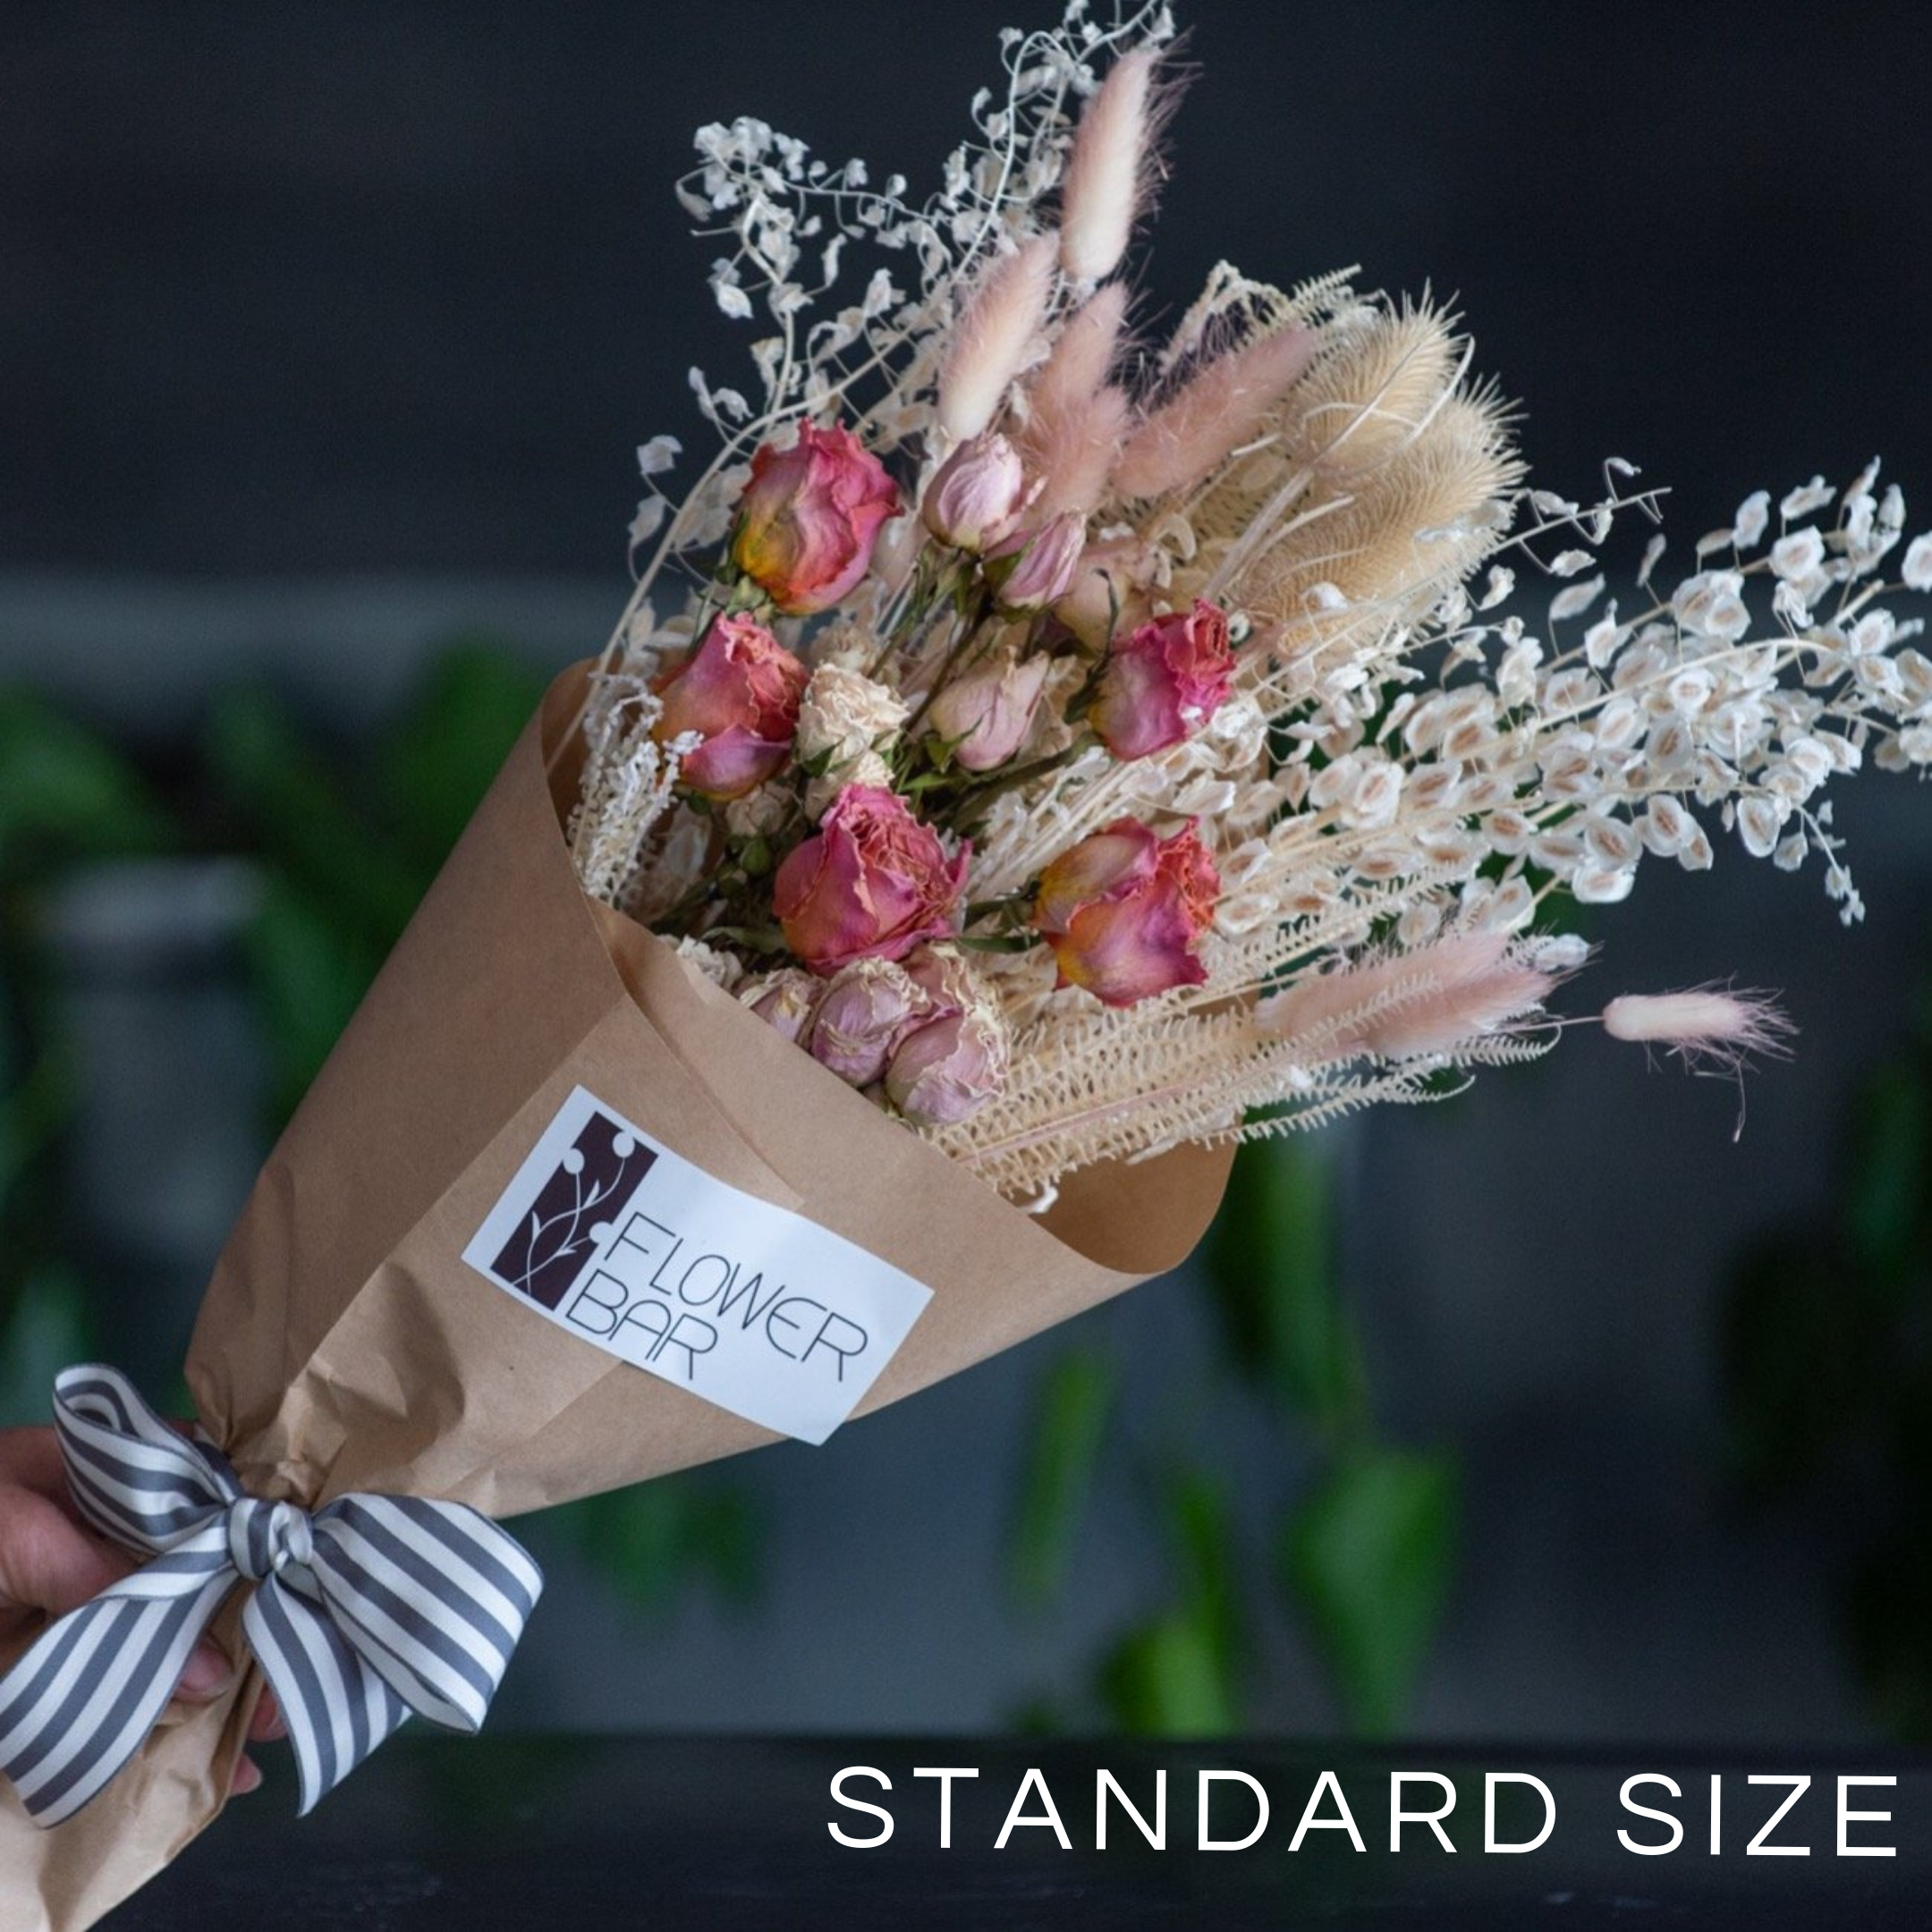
x=570 y=1216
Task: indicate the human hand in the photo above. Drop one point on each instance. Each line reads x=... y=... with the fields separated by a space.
x=50 y=1563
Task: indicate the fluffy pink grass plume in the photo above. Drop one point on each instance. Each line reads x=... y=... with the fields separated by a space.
x=1411 y=1005
x=1083 y=353
x=1223 y=404
x=1712 y=1030
x=996 y=338
x=1076 y=419
x=1106 y=173
x=1712 y=1026
x=1074 y=451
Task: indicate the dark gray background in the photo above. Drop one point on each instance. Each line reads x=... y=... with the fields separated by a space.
x=325 y=327
x=296 y=287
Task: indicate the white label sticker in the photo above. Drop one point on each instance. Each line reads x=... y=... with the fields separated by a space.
x=631 y=1248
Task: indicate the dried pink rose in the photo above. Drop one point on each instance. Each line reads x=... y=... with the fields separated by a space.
x=947 y=1071
x=1124 y=911
x=809 y=518
x=1109 y=591
x=739 y=691
x=867 y=1008
x=784 y=1000
x=1163 y=680
x=871 y=884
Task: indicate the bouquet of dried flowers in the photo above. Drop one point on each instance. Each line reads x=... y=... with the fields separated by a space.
x=1034 y=758
x=1084 y=743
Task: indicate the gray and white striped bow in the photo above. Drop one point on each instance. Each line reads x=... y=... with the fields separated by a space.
x=368 y=1609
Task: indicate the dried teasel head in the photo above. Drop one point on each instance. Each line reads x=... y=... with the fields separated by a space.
x=1374 y=393
x=1422 y=521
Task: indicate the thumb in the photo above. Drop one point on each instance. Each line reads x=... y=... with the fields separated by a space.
x=48 y=1561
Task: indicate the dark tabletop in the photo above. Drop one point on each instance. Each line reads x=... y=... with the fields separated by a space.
x=725 y=1833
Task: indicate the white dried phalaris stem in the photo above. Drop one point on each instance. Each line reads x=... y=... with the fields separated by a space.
x=1106 y=173
x=1416 y=1004
x=996 y=338
x=1223 y=405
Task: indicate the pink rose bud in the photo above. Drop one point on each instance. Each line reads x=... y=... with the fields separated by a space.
x=982 y=718
x=871 y=884
x=1046 y=563
x=1163 y=680
x=1124 y=911
x=868 y=1007
x=945 y=1070
x=979 y=489
x=739 y=691
x=809 y=518
x=784 y=1000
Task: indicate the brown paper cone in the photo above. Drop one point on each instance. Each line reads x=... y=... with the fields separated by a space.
x=343 y=1344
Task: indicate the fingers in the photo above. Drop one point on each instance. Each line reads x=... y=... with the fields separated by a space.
x=47 y=1561
x=267 y=1724
x=50 y=1564
x=208 y=1673
x=31 y=1458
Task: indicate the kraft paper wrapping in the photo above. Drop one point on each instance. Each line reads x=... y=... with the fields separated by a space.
x=343 y=1344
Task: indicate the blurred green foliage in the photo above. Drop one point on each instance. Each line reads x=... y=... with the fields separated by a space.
x=1368 y=1554
x=1063 y=1455
x=346 y=843
x=1828 y=1359
x=66 y=797
x=1358 y=1550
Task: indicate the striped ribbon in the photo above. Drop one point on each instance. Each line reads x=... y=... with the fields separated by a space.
x=368 y=1609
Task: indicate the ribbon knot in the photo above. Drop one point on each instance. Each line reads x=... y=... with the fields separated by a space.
x=361 y=1612
x=265 y=1538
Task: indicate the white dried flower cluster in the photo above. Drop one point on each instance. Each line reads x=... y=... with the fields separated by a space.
x=1408 y=771
x=843 y=715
